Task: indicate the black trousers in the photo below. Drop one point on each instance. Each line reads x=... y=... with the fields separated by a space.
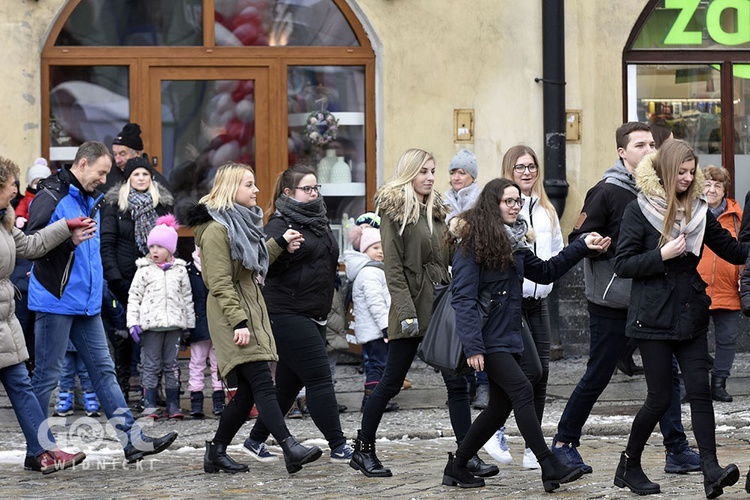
x=692 y=356
x=303 y=362
x=254 y=387
x=401 y=353
x=510 y=390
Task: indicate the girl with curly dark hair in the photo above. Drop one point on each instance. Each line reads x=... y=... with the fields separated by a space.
x=491 y=259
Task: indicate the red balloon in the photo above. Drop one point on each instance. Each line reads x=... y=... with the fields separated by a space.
x=246 y=34
x=234 y=128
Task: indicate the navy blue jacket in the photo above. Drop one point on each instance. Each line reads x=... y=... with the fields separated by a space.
x=504 y=289
x=200 y=294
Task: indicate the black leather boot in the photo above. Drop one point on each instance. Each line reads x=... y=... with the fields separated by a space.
x=365 y=460
x=747 y=482
x=716 y=478
x=457 y=474
x=217 y=460
x=719 y=390
x=147 y=445
x=296 y=455
x=629 y=473
x=196 y=404
x=478 y=467
x=555 y=473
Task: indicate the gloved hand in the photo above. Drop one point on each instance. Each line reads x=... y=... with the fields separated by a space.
x=121 y=333
x=135 y=332
x=410 y=327
x=79 y=222
x=21 y=222
x=384 y=331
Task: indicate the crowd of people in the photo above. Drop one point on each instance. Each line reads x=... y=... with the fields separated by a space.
x=93 y=248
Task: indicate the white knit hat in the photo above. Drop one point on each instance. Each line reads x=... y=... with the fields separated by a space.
x=39 y=170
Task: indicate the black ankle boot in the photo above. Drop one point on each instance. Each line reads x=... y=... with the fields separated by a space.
x=629 y=473
x=716 y=478
x=365 y=460
x=719 y=390
x=747 y=482
x=555 y=473
x=457 y=474
x=196 y=404
x=217 y=460
x=296 y=455
x=146 y=445
x=478 y=467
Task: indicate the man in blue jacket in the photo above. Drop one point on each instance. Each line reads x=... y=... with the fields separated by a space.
x=608 y=298
x=65 y=290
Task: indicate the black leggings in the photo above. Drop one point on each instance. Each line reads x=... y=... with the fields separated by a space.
x=692 y=356
x=535 y=357
x=510 y=389
x=401 y=353
x=254 y=387
x=303 y=362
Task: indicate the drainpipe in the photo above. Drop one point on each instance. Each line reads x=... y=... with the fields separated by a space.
x=553 y=81
x=555 y=183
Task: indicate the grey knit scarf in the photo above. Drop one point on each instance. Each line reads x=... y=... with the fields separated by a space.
x=517 y=234
x=247 y=241
x=309 y=213
x=144 y=217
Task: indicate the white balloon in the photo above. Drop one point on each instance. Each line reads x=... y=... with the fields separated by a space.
x=227 y=8
x=245 y=111
x=225 y=153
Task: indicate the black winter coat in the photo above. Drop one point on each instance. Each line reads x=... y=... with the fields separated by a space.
x=118 y=248
x=668 y=300
x=502 y=289
x=303 y=282
x=200 y=294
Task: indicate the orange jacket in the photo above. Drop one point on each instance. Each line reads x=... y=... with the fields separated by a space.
x=721 y=276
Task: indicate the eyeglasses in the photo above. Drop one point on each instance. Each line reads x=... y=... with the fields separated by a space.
x=512 y=202
x=531 y=167
x=309 y=189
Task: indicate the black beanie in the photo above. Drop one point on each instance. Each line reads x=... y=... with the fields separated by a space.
x=130 y=136
x=137 y=162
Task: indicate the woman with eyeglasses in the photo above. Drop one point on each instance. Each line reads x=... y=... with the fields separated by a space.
x=412 y=228
x=520 y=164
x=493 y=252
x=298 y=293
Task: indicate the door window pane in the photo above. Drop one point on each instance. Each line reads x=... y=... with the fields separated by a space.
x=687 y=98
x=134 y=22
x=340 y=161
x=742 y=131
x=282 y=23
x=87 y=103
x=205 y=123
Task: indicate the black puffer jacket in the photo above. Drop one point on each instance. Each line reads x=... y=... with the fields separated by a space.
x=302 y=282
x=118 y=248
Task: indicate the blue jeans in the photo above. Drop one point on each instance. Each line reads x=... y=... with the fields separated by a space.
x=607 y=343
x=30 y=416
x=374 y=353
x=72 y=365
x=52 y=332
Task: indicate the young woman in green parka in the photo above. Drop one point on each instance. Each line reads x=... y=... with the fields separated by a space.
x=235 y=259
x=412 y=228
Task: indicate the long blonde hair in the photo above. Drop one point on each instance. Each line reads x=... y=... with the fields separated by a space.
x=667 y=162
x=409 y=166
x=509 y=160
x=123 y=194
x=226 y=183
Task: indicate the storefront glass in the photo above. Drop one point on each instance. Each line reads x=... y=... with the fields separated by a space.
x=741 y=103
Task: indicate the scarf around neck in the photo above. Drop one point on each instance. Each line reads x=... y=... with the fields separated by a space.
x=517 y=234
x=144 y=217
x=654 y=208
x=247 y=241
x=309 y=213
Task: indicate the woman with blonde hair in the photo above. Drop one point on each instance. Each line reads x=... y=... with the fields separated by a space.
x=235 y=255
x=520 y=164
x=416 y=257
x=662 y=236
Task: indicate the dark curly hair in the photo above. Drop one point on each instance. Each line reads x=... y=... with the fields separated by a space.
x=482 y=231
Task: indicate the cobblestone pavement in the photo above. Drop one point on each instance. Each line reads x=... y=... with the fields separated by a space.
x=414 y=444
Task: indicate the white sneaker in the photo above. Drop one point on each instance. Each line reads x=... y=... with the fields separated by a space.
x=497 y=447
x=529 y=459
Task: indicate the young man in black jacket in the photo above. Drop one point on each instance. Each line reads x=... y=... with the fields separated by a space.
x=608 y=297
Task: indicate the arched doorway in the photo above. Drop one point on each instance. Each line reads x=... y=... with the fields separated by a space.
x=217 y=80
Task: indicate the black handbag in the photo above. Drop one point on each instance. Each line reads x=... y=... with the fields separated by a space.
x=441 y=347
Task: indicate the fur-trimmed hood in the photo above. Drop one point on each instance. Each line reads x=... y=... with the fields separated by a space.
x=113 y=195
x=390 y=200
x=196 y=215
x=650 y=185
x=9 y=219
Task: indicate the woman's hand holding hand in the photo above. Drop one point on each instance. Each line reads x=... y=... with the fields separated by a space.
x=291 y=235
x=595 y=241
x=83 y=228
x=294 y=240
x=476 y=361
x=673 y=248
x=242 y=336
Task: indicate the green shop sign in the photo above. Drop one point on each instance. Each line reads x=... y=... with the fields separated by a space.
x=726 y=22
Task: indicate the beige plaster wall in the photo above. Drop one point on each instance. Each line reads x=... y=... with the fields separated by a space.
x=23 y=28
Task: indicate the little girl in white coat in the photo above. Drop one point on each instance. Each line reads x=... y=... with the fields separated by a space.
x=160 y=308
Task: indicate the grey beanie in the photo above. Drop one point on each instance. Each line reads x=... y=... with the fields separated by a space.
x=465 y=160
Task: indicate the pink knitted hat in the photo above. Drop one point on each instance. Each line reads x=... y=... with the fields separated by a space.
x=164 y=233
x=369 y=237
